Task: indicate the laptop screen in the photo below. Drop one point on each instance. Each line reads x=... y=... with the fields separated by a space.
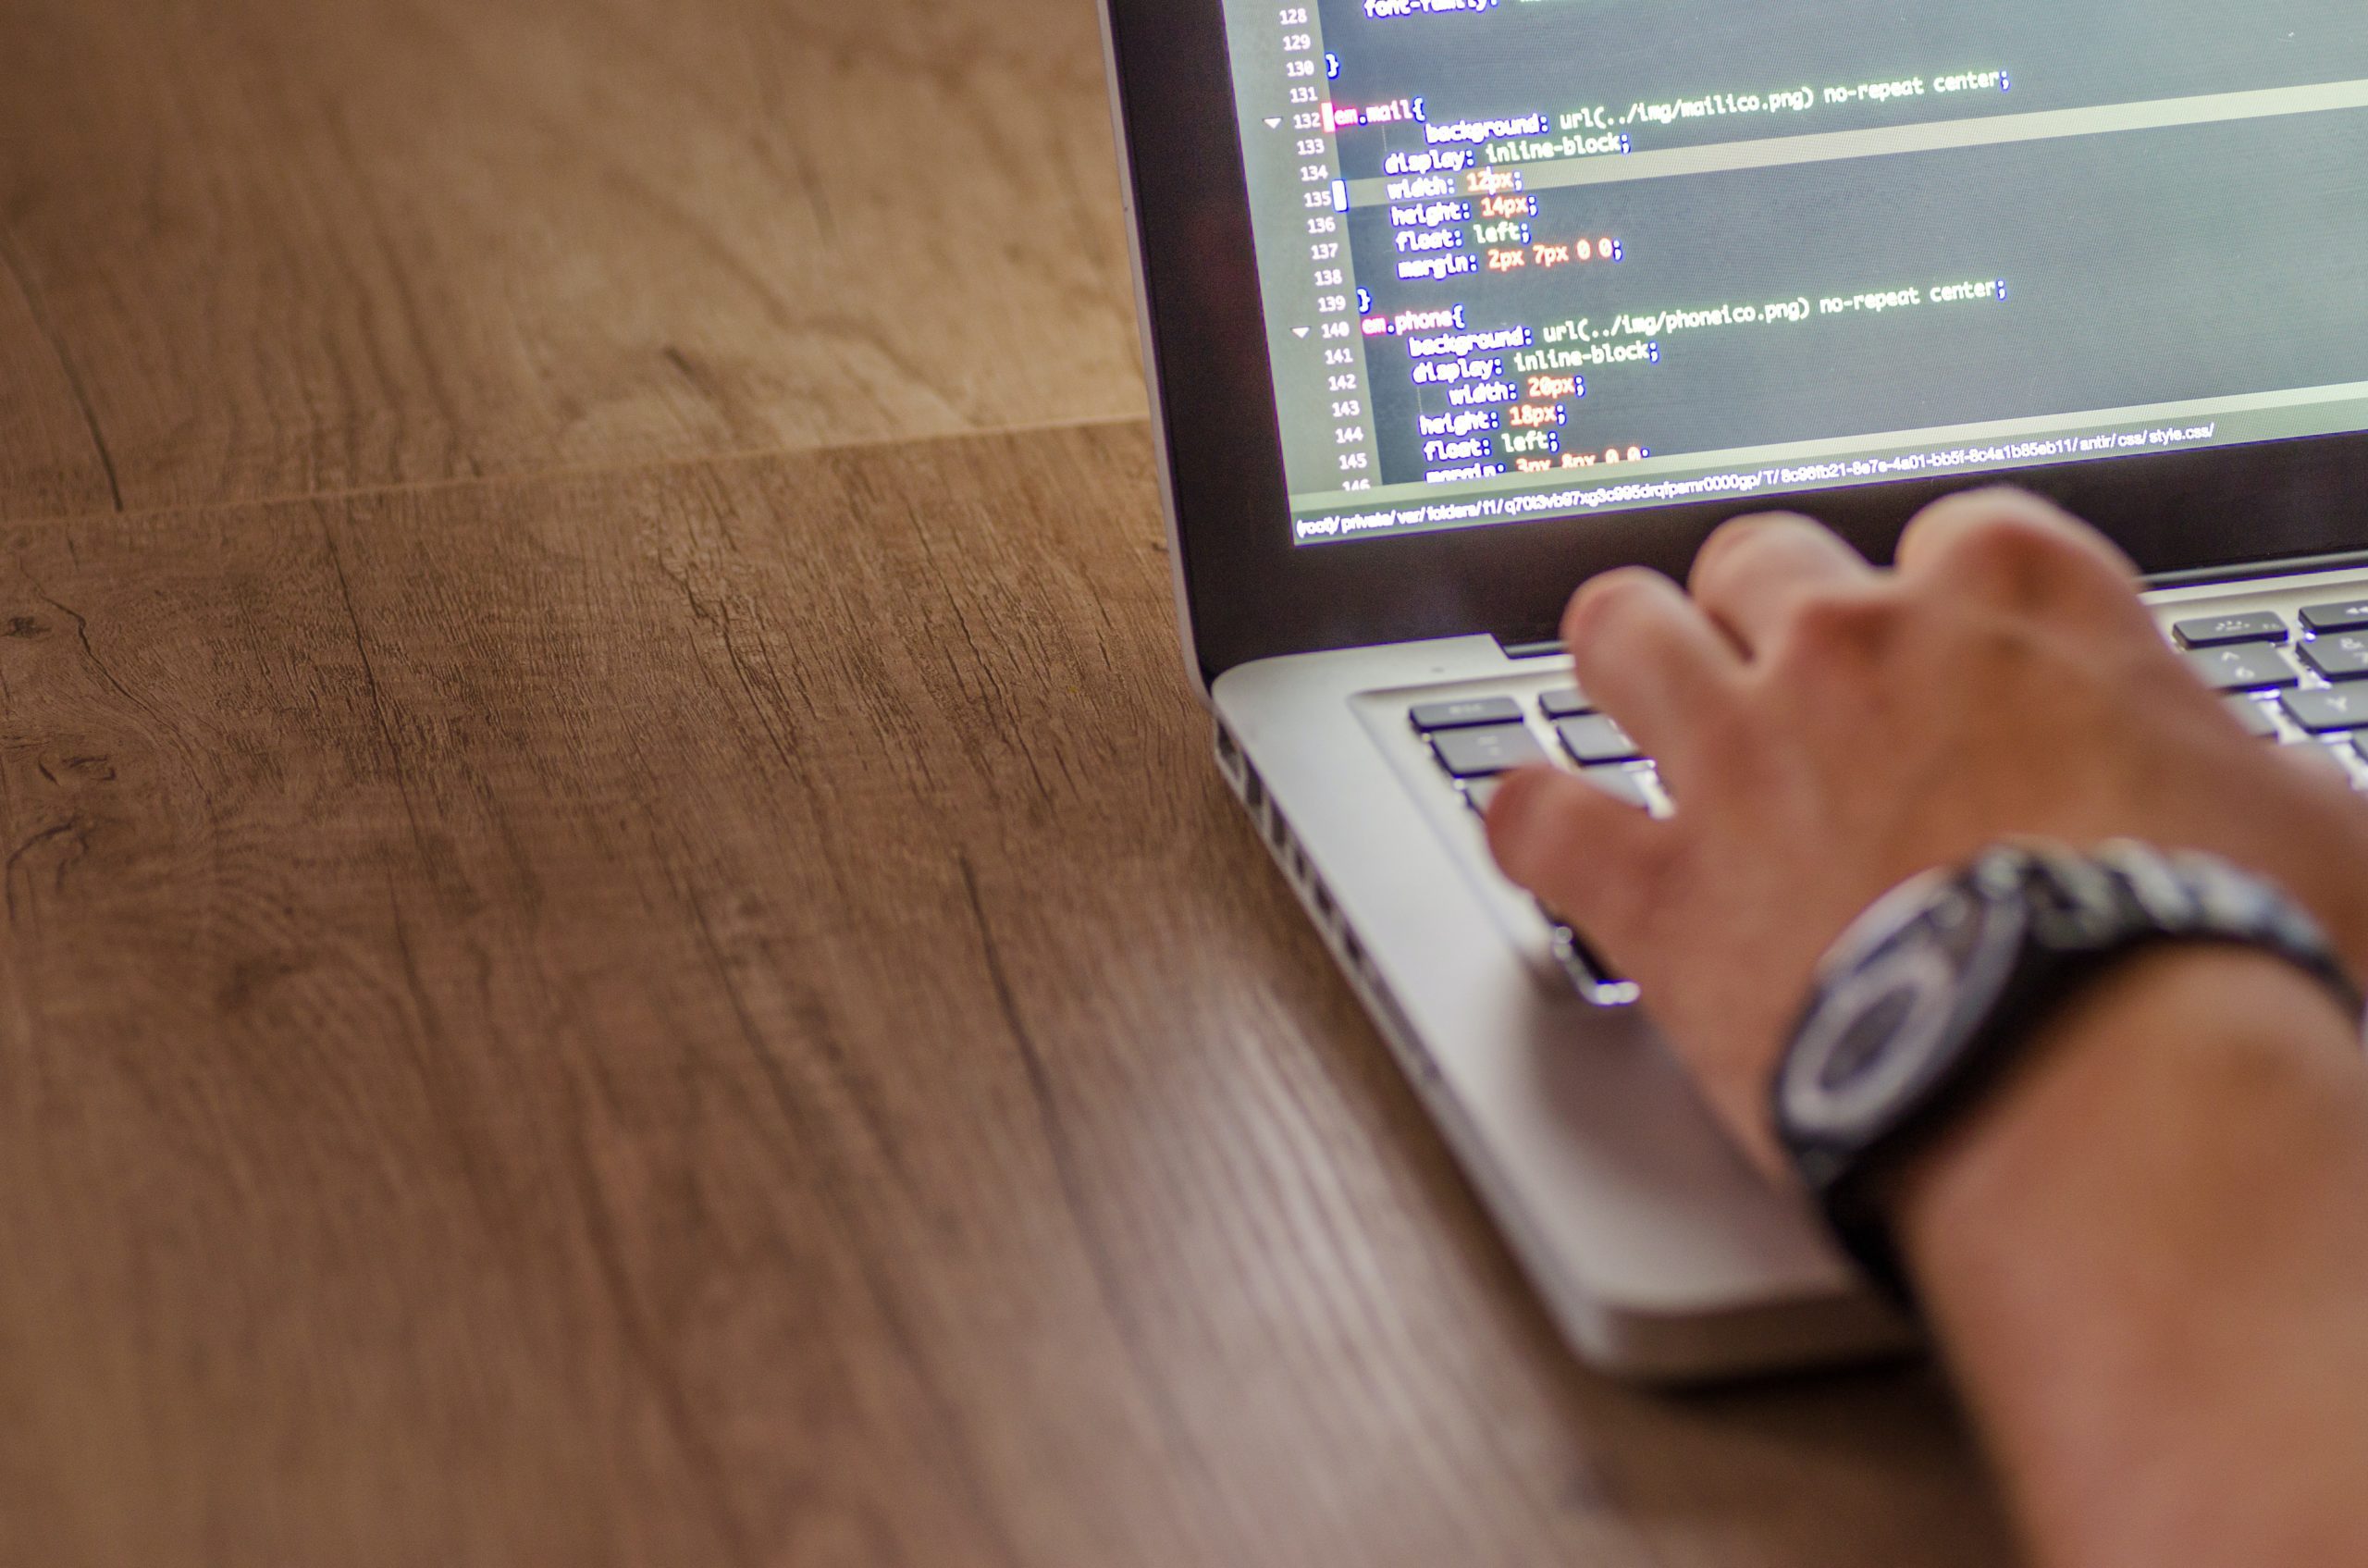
x=1529 y=259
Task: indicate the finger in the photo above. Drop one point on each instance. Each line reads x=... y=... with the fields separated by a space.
x=2013 y=542
x=1752 y=573
x=1575 y=846
x=1648 y=658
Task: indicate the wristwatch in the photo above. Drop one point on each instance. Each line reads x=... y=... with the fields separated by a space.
x=1926 y=997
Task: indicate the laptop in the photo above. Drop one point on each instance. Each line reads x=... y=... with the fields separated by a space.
x=1449 y=304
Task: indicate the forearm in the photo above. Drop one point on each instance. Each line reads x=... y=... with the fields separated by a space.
x=2147 y=1258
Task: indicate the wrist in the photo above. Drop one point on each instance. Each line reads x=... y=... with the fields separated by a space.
x=2163 y=1044
x=1937 y=990
x=2143 y=1257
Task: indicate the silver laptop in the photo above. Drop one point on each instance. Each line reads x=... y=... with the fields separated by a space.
x=1450 y=304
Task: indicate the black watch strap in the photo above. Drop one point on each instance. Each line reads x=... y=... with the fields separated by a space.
x=1924 y=1001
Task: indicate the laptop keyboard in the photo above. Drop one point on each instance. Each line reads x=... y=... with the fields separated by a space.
x=1478 y=740
x=2254 y=667
x=1484 y=753
x=2304 y=684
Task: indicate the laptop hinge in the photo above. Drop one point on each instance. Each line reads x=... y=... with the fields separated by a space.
x=2292 y=566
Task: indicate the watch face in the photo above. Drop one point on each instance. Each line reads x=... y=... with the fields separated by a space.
x=1883 y=1031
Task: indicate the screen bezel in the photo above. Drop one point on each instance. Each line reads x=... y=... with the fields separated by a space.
x=1249 y=592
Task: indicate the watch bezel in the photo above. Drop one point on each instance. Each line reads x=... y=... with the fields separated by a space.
x=1909 y=1066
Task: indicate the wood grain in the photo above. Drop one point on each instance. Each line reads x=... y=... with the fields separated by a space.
x=296 y=248
x=51 y=460
x=721 y=1014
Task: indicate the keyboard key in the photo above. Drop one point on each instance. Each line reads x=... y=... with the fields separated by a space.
x=2254 y=717
x=2351 y=616
x=1470 y=713
x=2323 y=712
x=1621 y=784
x=1568 y=703
x=1596 y=739
x=1479 y=753
x=2251 y=668
x=2342 y=658
x=1480 y=793
x=2219 y=631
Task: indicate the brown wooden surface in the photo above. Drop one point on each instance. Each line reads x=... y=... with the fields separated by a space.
x=294 y=247
x=722 y=1014
x=704 y=1011
x=50 y=458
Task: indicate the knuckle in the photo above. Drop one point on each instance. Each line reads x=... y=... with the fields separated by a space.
x=1734 y=545
x=1606 y=604
x=2011 y=544
x=1842 y=627
x=2026 y=559
x=1728 y=538
x=1967 y=508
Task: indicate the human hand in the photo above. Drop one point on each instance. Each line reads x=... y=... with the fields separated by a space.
x=1829 y=730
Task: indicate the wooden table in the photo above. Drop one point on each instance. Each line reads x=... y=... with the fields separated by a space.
x=620 y=944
